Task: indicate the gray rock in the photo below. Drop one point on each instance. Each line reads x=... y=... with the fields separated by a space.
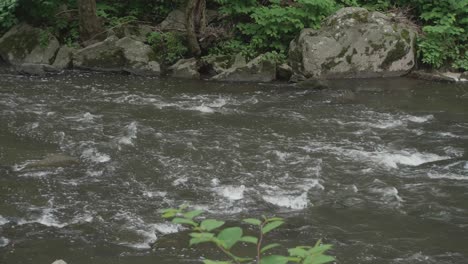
x=185 y=69
x=215 y=64
x=63 y=60
x=354 y=43
x=175 y=21
x=284 y=72
x=464 y=77
x=436 y=76
x=59 y=262
x=257 y=70
x=22 y=44
x=36 y=69
x=54 y=160
x=118 y=55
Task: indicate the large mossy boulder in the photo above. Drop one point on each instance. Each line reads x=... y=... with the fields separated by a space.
x=259 y=69
x=26 y=44
x=354 y=43
x=118 y=55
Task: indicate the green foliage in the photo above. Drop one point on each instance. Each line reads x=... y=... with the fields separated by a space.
x=168 y=46
x=7 y=17
x=209 y=231
x=272 y=26
x=444 y=24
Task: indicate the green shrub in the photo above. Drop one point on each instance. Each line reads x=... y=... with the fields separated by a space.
x=272 y=26
x=209 y=231
x=168 y=46
x=7 y=17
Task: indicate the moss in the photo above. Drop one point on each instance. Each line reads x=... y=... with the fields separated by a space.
x=397 y=53
x=361 y=17
x=342 y=52
x=21 y=44
x=349 y=58
x=329 y=64
x=113 y=58
x=376 y=46
x=405 y=34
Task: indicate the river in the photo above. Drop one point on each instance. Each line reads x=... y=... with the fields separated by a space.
x=379 y=168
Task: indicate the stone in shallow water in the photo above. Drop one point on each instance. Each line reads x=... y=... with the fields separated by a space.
x=59 y=262
x=54 y=160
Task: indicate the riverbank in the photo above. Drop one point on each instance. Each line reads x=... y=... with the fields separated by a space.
x=352 y=43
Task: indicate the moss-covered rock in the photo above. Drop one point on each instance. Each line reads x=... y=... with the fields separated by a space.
x=186 y=69
x=354 y=43
x=259 y=69
x=118 y=55
x=26 y=44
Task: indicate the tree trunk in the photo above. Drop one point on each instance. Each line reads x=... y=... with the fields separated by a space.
x=90 y=25
x=195 y=22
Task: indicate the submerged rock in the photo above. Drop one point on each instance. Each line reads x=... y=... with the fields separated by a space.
x=60 y=261
x=256 y=70
x=354 y=43
x=54 y=160
x=450 y=77
x=185 y=69
x=26 y=44
x=117 y=55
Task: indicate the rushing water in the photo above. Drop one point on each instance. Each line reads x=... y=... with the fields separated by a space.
x=376 y=167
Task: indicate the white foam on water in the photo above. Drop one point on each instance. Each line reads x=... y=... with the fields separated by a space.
x=93 y=155
x=180 y=181
x=3 y=220
x=231 y=192
x=388 y=193
x=447 y=176
x=394 y=158
x=131 y=131
x=154 y=194
x=420 y=119
x=47 y=218
x=447 y=134
x=203 y=109
x=466 y=166
x=36 y=174
x=4 y=241
x=288 y=201
x=215 y=182
x=220 y=102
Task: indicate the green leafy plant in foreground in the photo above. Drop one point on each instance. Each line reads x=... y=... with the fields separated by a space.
x=211 y=231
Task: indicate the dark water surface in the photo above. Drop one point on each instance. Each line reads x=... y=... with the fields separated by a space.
x=379 y=168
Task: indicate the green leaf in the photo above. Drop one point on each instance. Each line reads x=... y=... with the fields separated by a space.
x=193 y=214
x=183 y=221
x=230 y=236
x=249 y=239
x=274 y=219
x=169 y=213
x=253 y=221
x=268 y=247
x=209 y=235
x=207 y=261
x=274 y=259
x=198 y=240
x=320 y=259
x=270 y=226
x=298 y=252
x=211 y=224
